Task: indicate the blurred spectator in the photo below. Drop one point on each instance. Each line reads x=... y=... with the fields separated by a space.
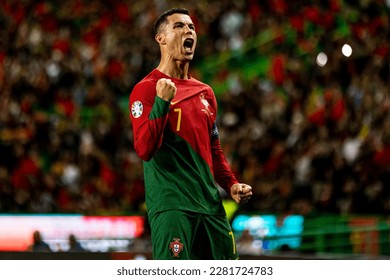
x=74 y=244
x=39 y=245
x=246 y=245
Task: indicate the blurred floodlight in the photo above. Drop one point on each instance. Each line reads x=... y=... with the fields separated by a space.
x=346 y=50
x=322 y=59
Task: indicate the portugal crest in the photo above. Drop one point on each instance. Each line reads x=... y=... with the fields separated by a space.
x=176 y=247
x=205 y=104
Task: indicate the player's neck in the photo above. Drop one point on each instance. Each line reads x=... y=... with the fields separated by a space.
x=174 y=69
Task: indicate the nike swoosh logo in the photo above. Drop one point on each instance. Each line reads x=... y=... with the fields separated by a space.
x=175 y=102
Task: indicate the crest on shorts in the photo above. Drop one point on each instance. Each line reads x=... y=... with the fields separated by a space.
x=136 y=109
x=176 y=247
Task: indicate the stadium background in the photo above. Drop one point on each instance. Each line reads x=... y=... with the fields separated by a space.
x=306 y=124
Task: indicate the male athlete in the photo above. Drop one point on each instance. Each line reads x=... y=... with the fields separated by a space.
x=175 y=133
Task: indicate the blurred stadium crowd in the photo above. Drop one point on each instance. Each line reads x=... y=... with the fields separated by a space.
x=309 y=139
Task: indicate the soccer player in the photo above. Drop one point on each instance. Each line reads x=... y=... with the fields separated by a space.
x=175 y=134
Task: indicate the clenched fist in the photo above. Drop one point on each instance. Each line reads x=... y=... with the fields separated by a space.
x=166 y=89
x=241 y=193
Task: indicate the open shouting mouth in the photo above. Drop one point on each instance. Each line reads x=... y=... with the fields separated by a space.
x=188 y=44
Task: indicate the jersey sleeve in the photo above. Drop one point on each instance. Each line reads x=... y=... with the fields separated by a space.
x=149 y=116
x=221 y=169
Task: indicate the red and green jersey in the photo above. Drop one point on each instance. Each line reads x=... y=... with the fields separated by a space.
x=180 y=146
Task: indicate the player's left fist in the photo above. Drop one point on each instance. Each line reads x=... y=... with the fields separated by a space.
x=241 y=193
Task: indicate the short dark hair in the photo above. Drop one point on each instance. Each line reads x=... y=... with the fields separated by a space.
x=163 y=17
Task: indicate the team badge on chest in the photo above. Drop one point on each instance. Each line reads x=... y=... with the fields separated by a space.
x=176 y=247
x=205 y=104
x=137 y=109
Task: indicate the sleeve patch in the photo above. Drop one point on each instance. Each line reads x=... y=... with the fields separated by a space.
x=214 y=132
x=137 y=109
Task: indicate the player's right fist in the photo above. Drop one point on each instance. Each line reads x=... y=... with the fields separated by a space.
x=166 y=89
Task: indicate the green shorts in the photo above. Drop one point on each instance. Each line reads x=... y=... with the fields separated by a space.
x=186 y=235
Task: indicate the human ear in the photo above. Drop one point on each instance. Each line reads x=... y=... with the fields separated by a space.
x=160 y=38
